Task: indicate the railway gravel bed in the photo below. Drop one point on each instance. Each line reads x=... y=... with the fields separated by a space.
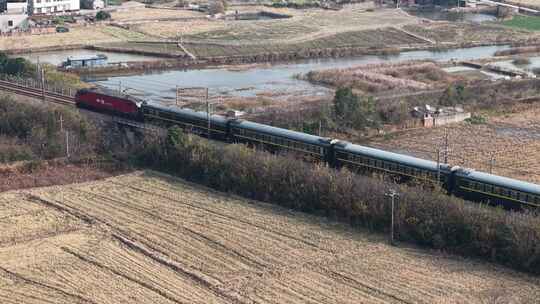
x=145 y=237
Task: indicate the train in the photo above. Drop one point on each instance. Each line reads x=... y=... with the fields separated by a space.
x=465 y=183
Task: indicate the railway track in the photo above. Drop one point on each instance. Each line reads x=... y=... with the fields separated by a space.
x=36 y=93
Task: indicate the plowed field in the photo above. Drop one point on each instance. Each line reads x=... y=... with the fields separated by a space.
x=149 y=238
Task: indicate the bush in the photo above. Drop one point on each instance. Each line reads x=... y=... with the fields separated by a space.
x=39 y=127
x=16 y=66
x=476 y=120
x=216 y=7
x=428 y=218
x=103 y=15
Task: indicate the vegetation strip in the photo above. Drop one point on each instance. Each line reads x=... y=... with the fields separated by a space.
x=428 y=218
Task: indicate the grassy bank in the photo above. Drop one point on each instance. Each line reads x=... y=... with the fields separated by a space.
x=531 y=23
x=428 y=218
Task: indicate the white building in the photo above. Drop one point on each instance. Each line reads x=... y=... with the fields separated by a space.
x=13 y=16
x=55 y=6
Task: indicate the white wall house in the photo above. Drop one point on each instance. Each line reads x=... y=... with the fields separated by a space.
x=55 y=6
x=13 y=16
x=9 y=22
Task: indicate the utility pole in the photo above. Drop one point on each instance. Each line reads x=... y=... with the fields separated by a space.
x=38 y=72
x=207 y=111
x=67 y=143
x=438 y=167
x=177 y=95
x=43 y=84
x=61 y=123
x=392 y=194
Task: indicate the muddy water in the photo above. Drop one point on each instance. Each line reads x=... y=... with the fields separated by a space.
x=437 y=14
x=278 y=78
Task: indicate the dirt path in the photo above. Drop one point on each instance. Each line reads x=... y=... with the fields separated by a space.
x=149 y=238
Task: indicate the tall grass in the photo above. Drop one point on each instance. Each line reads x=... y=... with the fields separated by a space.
x=428 y=218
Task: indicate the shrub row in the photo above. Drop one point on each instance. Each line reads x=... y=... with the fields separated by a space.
x=428 y=218
x=38 y=130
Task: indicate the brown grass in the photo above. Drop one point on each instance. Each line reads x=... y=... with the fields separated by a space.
x=28 y=174
x=385 y=78
x=149 y=238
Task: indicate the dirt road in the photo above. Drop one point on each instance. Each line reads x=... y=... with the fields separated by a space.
x=149 y=238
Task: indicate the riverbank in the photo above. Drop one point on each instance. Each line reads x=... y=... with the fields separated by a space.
x=182 y=62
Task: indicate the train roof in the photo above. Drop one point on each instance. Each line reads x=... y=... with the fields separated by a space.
x=389 y=156
x=189 y=113
x=500 y=181
x=294 y=135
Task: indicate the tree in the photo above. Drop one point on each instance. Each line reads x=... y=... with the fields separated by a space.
x=354 y=111
x=453 y=95
x=216 y=7
x=103 y=15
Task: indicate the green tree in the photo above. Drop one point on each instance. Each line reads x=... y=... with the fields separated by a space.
x=354 y=111
x=453 y=95
x=103 y=15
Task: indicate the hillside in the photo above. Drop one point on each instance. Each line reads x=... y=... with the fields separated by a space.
x=150 y=238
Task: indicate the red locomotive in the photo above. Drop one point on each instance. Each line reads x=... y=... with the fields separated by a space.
x=109 y=101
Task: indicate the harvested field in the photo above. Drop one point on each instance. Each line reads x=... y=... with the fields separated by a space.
x=463 y=33
x=76 y=36
x=511 y=140
x=304 y=25
x=149 y=238
x=382 y=38
x=143 y=14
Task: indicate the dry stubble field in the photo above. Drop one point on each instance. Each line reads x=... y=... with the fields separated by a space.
x=150 y=238
x=90 y=35
x=512 y=140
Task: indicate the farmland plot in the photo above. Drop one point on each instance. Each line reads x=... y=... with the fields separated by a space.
x=149 y=238
x=507 y=145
